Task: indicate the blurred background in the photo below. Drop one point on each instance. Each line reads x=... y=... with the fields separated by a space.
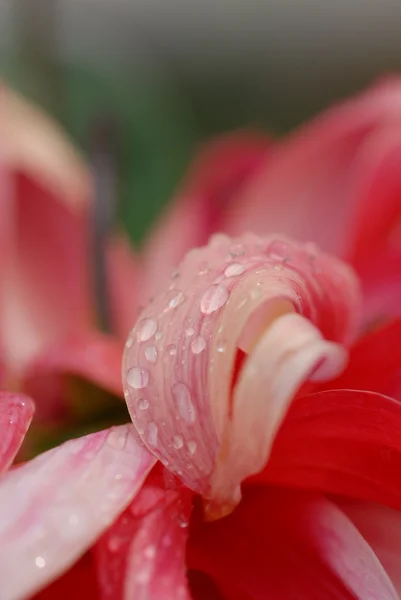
x=141 y=83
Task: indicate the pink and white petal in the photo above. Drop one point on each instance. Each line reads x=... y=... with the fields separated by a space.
x=53 y=508
x=142 y=555
x=343 y=442
x=92 y=356
x=314 y=181
x=180 y=359
x=285 y=544
x=381 y=528
x=16 y=412
x=222 y=169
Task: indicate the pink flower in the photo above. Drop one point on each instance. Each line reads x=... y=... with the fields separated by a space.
x=265 y=451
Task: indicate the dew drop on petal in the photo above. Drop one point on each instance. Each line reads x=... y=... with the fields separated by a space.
x=149 y=552
x=114 y=544
x=146 y=329
x=198 y=345
x=117 y=438
x=234 y=270
x=221 y=346
x=236 y=250
x=40 y=562
x=183 y=402
x=151 y=434
x=171 y=350
x=214 y=298
x=190 y=331
x=151 y=354
x=137 y=378
x=178 y=441
x=143 y=404
x=174 y=299
x=191 y=447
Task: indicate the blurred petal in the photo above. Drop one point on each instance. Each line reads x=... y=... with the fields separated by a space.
x=344 y=442
x=316 y=180
x=91 y=356
x=54 y=507
x=44 y=291
x=219 y=173
x=142 y=555
x=16 y=413
x=180 y=359
x=283 y=544
x=381 y=528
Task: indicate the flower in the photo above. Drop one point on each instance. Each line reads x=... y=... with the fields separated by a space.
x=264 y=456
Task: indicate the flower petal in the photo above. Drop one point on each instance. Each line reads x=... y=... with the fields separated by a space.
x=80 y=578
x=284 y=544
x=314 y=181
x=344 y=442
x=92 y=356
x=16 y=413
x=381 y=528
x=221 y=170
x=143 y=554
x=70 y=495
x=179 y=360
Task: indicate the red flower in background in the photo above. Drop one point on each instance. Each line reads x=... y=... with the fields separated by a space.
x=236 y=379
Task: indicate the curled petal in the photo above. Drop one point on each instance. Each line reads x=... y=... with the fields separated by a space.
x=143 y=554
x=204 y=203
x=343 y=442
x=180 y=358
x=70 y=495
x=285 y=544
x=16 y=413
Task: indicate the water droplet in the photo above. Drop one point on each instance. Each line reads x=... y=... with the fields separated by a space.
x=174 y=299
x=151 y=434
x=149 y=552
x=171 y=350
x=151 y=354
x=40 y=562
x=183 y=401
x=278 y=250
x=146 y=329
x=191 y=447
x=140 y=429
x=126 y=394
x=234 y=270
x=198 y=345
x=143 y=404
x=178 y=441
x=183 y=520
x=137 y=378
x=159 y=335
x=236 y=250
x=221 y=346
x=130 y=339
x=190 y=332
x=214 y=298
x=175 y=274
x=117 y=438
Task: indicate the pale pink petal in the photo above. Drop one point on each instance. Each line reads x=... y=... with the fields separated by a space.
x=180 y=358
x=204 y=202
x=92 y=356
x=54 y=507
x=16 y=413
x=316 y=178
x=282 y=544
x=381 y=528
x=142 y=556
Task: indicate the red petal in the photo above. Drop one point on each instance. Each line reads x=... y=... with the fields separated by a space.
x=343 y=442
x=143 y=554
x=180 y=358
x=92 y=356
x=219 y=173
x=16 y=413
x=284 y=544
x=71 y=494
x=374 y=363
x=81 y=579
